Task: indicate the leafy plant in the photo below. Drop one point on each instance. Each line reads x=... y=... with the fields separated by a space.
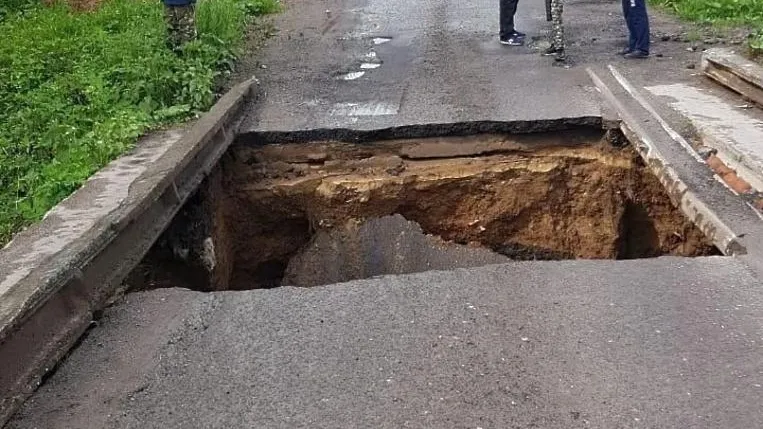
x=78 y=89
x=722 y=12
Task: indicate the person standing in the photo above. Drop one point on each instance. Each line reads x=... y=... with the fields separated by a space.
x=557 y=32
x=181 y=22
x=637 y=19
x=509 y=35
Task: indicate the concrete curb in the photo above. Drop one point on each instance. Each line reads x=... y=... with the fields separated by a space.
x=735 y=72
x=733 y=227
x=57 y=275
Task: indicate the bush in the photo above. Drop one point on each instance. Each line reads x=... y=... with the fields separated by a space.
x=78 y=89
x=9 y=8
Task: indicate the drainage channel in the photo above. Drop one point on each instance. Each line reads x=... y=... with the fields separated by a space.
x=323 y=212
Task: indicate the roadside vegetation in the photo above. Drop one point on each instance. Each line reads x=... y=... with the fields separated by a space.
x=746 y=13
x=78 y=87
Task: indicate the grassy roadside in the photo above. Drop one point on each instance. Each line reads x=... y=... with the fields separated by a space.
x=745 y=13
x=77 y=89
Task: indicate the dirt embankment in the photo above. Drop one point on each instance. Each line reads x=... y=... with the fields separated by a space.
x=524 y=199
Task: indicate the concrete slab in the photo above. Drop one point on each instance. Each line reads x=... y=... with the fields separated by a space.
x=650 y=343
x=724 y=122
x=730 y=69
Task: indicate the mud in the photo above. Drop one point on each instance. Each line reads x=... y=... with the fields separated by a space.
x=543 y=196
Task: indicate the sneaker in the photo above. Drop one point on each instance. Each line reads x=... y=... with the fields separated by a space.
x=552 y=51
x=636 y=55
x=625 y=51
x=513 y=41
x=518 y=34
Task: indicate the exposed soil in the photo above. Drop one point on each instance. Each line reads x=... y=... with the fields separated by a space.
x=379 y=246
x=547 y=196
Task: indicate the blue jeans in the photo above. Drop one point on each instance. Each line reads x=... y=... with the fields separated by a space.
x=638 y=24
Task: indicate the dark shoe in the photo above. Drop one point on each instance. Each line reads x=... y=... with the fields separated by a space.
x=636 y=55
x=518 y=34
x=625 y=51
x=513 y=41
x=552 y=51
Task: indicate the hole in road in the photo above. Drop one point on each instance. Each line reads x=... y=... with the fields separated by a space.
x=326 y=212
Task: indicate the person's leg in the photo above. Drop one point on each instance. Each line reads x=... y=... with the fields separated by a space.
x=629 y=23
x=557 y=10
x=556 y=37
x=171 y=19
x=508 y=8
x=640 y=26
x=188 y=23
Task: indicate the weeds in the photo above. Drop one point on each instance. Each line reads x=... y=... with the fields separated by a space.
x=747 y=13
x=78 y=89
x=717 y=11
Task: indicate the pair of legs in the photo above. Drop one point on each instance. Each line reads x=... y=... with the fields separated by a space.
x=510 y=36
x=638 y=26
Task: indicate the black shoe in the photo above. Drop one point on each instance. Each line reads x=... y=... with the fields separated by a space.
x=513 y=41
x=518 y=34
x=636 y=55
x=552 y=51
x=625 y=51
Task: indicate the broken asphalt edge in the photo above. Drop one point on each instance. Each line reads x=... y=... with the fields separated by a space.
x=57 y=275
x=417 y=131
x=734 y=227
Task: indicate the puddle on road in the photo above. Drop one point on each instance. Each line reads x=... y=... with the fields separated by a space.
x=353 y=75
x=319 y=213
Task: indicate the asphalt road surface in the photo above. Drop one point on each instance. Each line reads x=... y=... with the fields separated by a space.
x=660 y=343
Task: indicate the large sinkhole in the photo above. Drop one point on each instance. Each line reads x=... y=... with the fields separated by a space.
x=323 y=212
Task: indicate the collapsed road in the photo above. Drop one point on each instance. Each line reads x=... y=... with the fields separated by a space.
x=411 y=226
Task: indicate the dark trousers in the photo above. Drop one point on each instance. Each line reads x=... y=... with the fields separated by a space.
x=508 y=8
x=638 y=24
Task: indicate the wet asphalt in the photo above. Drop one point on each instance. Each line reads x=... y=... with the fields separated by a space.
x=660 y=343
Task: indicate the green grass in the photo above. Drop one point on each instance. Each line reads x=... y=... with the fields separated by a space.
x=78 y=89
x=748 y=13
x=717 y=11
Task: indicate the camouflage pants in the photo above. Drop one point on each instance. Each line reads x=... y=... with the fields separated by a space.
x=181 y=25
x=557 y=27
